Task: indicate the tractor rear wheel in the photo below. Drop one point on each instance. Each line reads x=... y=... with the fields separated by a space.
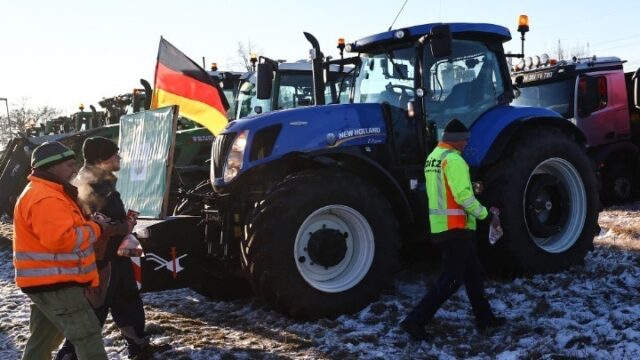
x=548 y=196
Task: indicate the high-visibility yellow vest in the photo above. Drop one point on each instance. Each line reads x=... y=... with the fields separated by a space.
x=53 y=242
x=452 y=204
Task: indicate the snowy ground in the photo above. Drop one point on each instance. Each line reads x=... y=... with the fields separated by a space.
x=587 y=312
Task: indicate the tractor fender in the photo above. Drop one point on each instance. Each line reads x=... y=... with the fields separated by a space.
x=495 y=129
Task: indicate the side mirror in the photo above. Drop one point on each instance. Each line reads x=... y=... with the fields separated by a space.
x=588 y=97
x=264 y=81
x=441 y=42
x=636 y=88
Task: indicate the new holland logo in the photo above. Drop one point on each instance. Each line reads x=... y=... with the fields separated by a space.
x=172 y=264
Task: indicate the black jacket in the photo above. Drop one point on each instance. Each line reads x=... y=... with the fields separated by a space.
x=97 y=193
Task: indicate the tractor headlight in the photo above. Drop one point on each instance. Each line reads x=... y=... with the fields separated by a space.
x=234 y=159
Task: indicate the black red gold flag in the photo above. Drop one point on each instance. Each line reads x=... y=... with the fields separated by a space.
x=180 y=81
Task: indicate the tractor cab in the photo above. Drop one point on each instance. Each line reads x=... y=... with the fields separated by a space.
x=427 y=75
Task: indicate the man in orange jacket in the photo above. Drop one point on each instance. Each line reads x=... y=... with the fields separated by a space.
x=54 y=258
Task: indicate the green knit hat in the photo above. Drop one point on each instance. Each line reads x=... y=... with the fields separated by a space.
x=49 y=154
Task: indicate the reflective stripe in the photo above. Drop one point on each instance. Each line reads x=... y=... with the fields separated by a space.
x=79 y=237
x=477 y=211
x=41 y=256
x=469 y=202
x=442 y=192
x=55 y=271
x=76 y=254
x=92 y=235
x=446 y=212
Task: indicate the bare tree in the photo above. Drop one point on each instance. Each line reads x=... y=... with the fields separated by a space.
x=560 y=51
x=243 y=55
x=579 y=51
x=23 y=116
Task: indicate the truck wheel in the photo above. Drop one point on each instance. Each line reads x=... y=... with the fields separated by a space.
x=193 y=205
x=321 y=244
x=618 y=184
x=549 y=198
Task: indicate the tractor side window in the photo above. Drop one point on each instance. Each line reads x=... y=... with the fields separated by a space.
x=386 y=78
x=463 y=85
x=340 y=83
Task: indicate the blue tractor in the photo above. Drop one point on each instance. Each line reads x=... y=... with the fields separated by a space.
x=312 y=205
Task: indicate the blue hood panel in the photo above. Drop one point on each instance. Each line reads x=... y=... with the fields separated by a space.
x=486 y=129
x=314 y=128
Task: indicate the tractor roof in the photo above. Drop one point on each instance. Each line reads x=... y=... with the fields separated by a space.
x=414 y=32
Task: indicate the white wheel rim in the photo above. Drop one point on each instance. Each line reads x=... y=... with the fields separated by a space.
x=360 y=249
x=573 y=184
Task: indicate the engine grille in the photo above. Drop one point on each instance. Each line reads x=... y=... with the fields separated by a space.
x=220 y=149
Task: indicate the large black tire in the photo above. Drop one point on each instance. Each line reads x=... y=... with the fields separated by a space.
x=618 y=183
x=322 y=243
x=548 y=195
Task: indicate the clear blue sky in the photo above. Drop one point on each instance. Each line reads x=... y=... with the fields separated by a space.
x=66 y=52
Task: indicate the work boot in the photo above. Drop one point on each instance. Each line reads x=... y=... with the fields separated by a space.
x=491 y=323
x=415 y=330
x=145 y=352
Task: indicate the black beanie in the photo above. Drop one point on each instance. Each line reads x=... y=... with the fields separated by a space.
x=96 y=149
x=49 y=154
x=455 y=131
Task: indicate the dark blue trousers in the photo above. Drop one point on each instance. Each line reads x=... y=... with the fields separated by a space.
x=460 y=265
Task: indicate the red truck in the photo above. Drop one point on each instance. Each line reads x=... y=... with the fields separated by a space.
x=601 y=99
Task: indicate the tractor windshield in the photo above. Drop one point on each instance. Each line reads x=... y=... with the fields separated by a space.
x=463 y=85
x=555 y=96
x=386 y=77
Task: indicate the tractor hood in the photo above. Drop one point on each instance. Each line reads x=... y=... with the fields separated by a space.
x=313 y=128
x=276 y=134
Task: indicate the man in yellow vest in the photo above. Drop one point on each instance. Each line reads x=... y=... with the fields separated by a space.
x=54 y=258
x=453 y=210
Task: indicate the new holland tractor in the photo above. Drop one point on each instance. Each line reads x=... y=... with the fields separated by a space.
x=312 y=205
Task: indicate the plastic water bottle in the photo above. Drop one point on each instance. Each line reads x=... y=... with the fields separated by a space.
x=495 y=232
x=130 y=247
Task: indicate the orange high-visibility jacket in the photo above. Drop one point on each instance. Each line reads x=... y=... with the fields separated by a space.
x=53 y=242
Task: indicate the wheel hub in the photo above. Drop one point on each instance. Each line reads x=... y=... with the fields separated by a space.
x=547 y=210
x=557 y=181
x=327 y=247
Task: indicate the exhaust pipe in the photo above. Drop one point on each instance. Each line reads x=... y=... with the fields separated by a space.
x=316 y=69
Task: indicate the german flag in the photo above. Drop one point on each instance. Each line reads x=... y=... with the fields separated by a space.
x=180 y=81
